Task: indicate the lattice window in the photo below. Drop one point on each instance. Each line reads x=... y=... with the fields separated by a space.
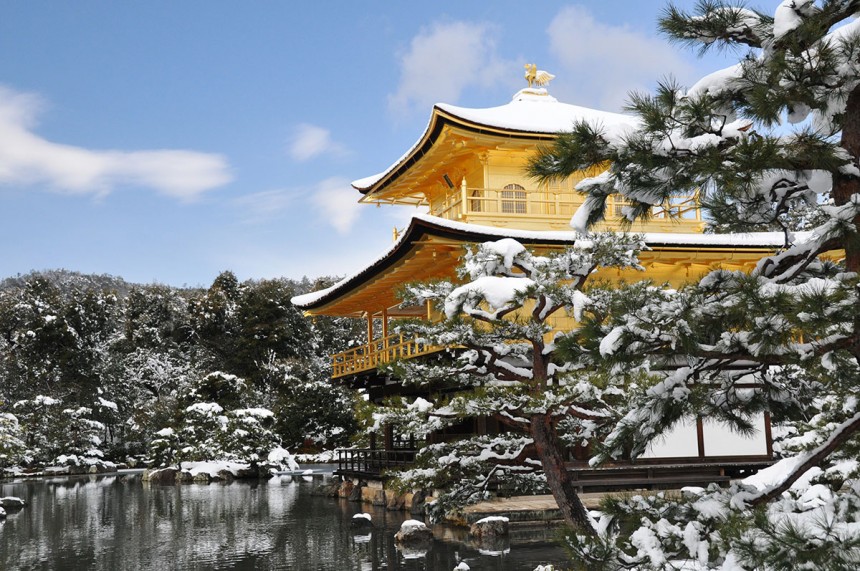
x=514 y=199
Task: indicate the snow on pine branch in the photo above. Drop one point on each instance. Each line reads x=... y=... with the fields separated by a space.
x=503 y=274
x=502 y=294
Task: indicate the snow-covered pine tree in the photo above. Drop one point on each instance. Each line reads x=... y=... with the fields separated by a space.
x=502 y=318
x=778 y=131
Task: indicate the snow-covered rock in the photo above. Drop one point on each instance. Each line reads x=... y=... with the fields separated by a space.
x=361 y=521
x=12 y=503
x=489 y=527
x=281 y=459
x=413 y=531
x=160 y=475
x=461 y=566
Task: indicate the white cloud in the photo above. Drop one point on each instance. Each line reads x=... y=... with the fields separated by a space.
x=27 y=158
x=264 y=206
x=445 y=59
x=602 y=63
x=309 y=141
x=337 y=202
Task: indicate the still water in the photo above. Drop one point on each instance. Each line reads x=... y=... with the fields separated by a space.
x=119 y=523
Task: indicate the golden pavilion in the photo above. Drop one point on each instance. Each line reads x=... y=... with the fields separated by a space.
x=468 y=171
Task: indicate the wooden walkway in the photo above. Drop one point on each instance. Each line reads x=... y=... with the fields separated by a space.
x=535 y=509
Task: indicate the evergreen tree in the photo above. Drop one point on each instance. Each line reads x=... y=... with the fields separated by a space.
x=270 y=328
x=214 y=318
x=778 y=131
x=503 y=316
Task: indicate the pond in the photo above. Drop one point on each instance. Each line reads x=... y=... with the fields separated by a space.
x=116 y=522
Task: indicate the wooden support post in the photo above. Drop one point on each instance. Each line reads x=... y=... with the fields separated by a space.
x=463 y=198
x=768 y=435
x=389 y=437
x=700 y=436
x=481 y=426
x=369 y=328
x=385 y=325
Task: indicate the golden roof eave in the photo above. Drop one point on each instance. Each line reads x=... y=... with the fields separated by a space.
x=430 y=250
x=441 y=123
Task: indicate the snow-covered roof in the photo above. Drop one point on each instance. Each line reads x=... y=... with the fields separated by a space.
x=475 y=233
x=531 y=111
x=535 y=111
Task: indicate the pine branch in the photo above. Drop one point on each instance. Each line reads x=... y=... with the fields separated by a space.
x=715 y=23
x=842 y=434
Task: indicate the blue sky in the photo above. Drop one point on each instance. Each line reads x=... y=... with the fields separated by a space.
x=168 y=141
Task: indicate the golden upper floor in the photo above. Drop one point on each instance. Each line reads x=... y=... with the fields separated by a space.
x=470 y=166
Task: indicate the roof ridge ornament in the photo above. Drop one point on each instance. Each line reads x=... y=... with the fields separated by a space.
x=537 y=77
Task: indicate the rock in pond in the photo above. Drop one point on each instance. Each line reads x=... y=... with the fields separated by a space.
x=489 y=527
x=413 y=531
x=160 y=475
x=12 y=503
x=361 y=521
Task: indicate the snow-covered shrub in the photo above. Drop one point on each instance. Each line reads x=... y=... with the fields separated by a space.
x=11 y=441
x=311 y=411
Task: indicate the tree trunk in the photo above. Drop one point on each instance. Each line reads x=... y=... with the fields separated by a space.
x=846 y=186
x=557 y=476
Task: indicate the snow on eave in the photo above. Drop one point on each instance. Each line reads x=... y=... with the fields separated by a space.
x=527 y=114
x=308 y=300
x=745 y=240
x=366 y=184
x=476 y=233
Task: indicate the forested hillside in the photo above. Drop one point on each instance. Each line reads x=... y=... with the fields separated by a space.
x=92 y=367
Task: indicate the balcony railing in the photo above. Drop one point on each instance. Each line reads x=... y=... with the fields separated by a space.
x=550 y=205
x=369 y=462
x=381 y=351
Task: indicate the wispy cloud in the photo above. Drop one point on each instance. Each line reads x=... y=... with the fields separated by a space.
x=310 y=141
x=444 y=59
x=264 y=206
x=26 y=158
x=337 y=202
x=602 y=63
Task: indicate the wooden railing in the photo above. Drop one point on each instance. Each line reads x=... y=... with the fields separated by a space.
x=381 y=351
x=549 y=204
x=369 y=462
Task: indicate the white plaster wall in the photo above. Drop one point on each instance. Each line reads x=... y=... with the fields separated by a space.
x=680 y=441
x=721 y=441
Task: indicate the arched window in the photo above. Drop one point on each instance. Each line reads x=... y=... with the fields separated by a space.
x=514 y=199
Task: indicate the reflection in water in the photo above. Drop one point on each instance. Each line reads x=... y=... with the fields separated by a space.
x=117 y=522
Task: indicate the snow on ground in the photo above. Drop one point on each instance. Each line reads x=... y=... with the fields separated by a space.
x=213 y=467
x=324 y=457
